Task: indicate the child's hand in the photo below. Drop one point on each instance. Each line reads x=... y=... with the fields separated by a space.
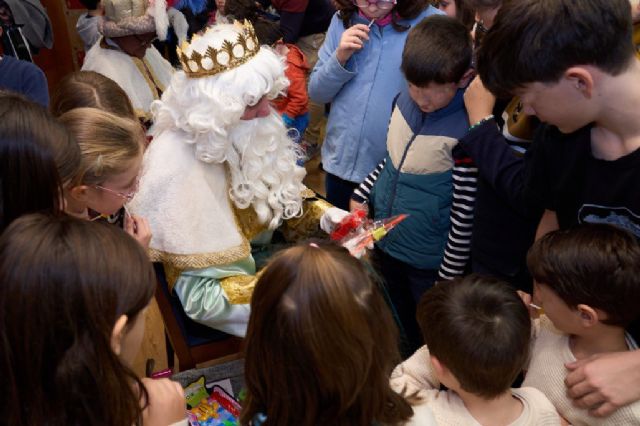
x=331 y=218
x=351 y=41
x=354 y=205
x=166 y=404
x=138 y=228
x=478 y=101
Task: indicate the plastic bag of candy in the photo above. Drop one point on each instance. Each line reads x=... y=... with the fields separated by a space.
x=357 y=233
x=215 y=409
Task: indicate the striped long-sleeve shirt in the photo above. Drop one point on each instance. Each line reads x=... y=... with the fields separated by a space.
x=465 y=176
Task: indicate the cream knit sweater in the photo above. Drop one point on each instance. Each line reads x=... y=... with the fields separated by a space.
x=547 y=372
x=416 y=376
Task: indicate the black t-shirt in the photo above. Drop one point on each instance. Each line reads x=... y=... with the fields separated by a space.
x=566 y=178
x=582 y=189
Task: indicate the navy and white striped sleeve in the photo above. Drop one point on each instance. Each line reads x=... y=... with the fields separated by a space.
x=362 y=192
x=458 y=247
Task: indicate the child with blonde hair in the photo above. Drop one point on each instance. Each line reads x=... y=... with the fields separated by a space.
x=112 y=149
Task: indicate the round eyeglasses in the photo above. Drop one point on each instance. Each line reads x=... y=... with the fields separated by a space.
x=381 y=4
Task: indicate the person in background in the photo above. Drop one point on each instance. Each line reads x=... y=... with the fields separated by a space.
x=305 y=23
x=87 y=25
x=126 y=55
x=460 y=9
x=294 y=105
x=23 y=77
x=358 y=72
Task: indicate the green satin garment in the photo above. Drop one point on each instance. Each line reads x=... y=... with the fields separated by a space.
x=205 y=302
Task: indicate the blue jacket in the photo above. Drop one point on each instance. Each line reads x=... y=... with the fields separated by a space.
x=361 y=94
x=417 y=179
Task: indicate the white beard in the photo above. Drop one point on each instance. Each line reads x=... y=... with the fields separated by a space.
x=264 y=174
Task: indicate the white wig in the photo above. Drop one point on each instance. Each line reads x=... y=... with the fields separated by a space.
x=207 y=111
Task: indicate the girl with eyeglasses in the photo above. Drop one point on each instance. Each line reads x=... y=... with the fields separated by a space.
x=358 y=72
x=112 y=149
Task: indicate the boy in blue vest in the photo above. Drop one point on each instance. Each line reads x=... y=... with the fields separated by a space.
x=417 y=176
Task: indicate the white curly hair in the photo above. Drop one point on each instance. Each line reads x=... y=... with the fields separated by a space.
x=208 y=110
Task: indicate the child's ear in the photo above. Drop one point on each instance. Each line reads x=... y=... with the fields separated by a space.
x=466 y=78
x=588 y=316
x=79 y=193
x=581 y=79
x=118 y=333
x=439 y=368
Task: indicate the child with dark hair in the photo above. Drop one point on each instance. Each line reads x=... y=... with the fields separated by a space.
x=460 y=9
x=87 y=25
x=35 y=151
x=422 y=166
x=321 y=344
x=576 y=69
x=477 y=334
x=587 y=281
x=358 y=72
x=72 y=298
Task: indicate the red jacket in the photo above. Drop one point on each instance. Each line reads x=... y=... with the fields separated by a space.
x=296 y=101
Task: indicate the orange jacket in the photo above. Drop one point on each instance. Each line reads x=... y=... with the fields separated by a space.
x=296 y=101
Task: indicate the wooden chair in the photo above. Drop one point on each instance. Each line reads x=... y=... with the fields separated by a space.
x=192 y=342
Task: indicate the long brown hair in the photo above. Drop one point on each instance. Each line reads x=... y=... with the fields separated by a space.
x=405 y=9
x=321 y=343
x=63 y=284
x=88 y=89
x=29 y=179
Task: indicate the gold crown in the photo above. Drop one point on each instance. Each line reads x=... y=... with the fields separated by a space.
x=228 y=56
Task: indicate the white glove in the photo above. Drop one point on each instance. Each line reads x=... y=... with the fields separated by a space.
x=332 y=217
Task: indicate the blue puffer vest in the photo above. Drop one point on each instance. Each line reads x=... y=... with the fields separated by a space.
x=417 y=180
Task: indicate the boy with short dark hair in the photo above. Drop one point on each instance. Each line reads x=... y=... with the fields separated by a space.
x=422 y=165
x=587 y=281
x=576 y=69
x=477 y=334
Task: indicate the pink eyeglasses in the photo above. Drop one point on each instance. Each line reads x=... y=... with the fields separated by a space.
x=381 y=4
x=128 y=196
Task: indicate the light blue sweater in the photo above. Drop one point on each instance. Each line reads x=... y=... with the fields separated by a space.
x=361 y=94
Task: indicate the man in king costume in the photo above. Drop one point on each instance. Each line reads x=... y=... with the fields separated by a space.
x=220 y=174
x=125 y=52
